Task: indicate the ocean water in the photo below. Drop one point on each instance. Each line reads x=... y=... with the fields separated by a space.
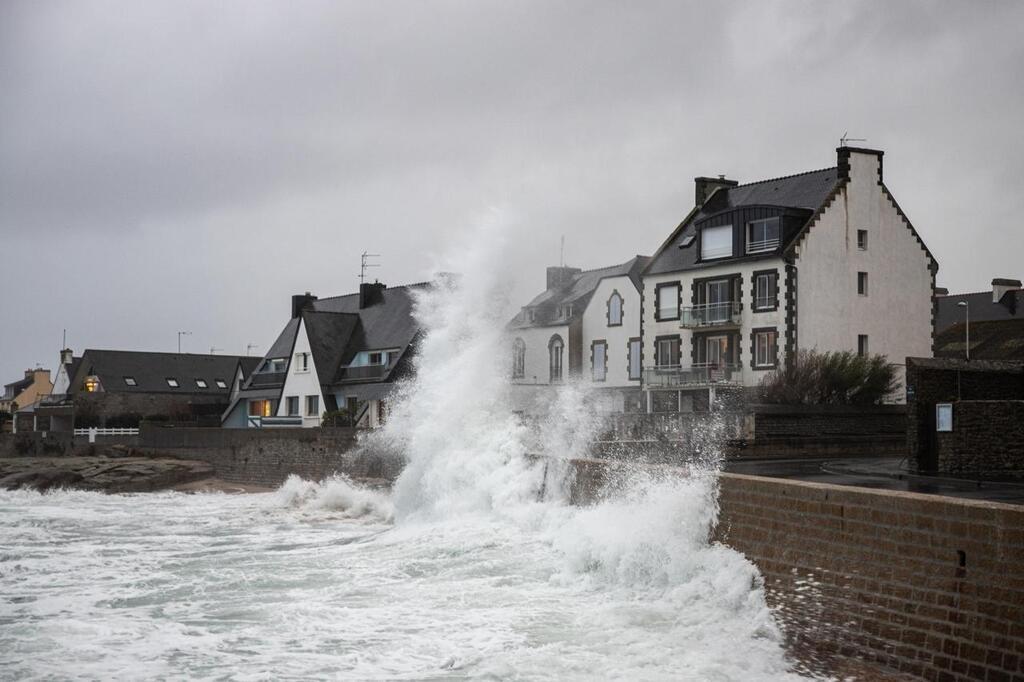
x=473 y=567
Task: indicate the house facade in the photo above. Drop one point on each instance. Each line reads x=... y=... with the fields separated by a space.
x=340 y=353
x=585 y=326
x=823 y=260
x=27 y=391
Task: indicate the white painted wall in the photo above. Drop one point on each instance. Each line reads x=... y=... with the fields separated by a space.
x=536 y=366
x=595 y=327
x=299 y=383
x=896 y=313
x=750 y=319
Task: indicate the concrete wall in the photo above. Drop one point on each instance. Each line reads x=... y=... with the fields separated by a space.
x=897 y=312
x=268 y=456
x=987 y=440
x=925 y=585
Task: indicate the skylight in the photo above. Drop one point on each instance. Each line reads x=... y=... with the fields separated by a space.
x=130 y=381
x=172 y=382
x=687 y=240
x=221 y=383
x=201 y=383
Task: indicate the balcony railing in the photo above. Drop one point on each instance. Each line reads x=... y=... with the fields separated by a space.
x=672 y=376
x=762 y=245
x=364 y=373
x=267 y=378
x=710 y=315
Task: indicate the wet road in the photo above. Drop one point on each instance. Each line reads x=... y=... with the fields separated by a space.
x=887 y=473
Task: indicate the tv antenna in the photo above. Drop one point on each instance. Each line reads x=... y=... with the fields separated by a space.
x=846 y=138
x=561 y=253
x=364 y=263
x=214 y=350
x=249 y=347
x=181 y=334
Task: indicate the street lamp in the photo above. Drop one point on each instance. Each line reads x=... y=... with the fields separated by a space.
x=181 y=334
x=967 y=328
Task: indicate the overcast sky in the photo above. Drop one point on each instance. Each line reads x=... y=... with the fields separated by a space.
x=171 y=166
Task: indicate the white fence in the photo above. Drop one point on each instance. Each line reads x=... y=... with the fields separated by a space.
x=92 y=433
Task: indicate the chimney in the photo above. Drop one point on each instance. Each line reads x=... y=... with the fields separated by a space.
x=1001 y=287
x=560 y=276
x=848 y=157
x=370 y=294
x=705 y=187
x=941 y=291
x=300 y=302
x=66 y=356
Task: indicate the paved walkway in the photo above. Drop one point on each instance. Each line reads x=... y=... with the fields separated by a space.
x=888 y=473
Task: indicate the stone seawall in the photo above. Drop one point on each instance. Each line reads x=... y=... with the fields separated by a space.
x=924 y=585
x=266 y=457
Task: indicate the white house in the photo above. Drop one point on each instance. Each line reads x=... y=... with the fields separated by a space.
x=585 y=326
x=822 y=260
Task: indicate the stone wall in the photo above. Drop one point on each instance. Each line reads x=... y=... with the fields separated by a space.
x=56 y=444
x=987 y=440
x=925 y=585
x=268 y=456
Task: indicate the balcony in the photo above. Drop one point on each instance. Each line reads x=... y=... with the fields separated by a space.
x=364 y=373
x=267 y=379
x=677 y=376
x=711 y=315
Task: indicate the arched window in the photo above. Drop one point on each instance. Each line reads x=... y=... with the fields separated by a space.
x=556 y=350
x=615 y=310
x=518 y=359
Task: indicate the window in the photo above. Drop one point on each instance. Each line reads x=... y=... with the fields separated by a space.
x=172 y=382
x=762 y=235
x=716 y=242
x=862 y=283
x=92 y=384
x=634 y=358
x=667 y=301
x=615 y=310
x=220 y=383
x=555 y=352
x=862 y=344
x=862 y=240
x=666 y=351
x=944 y=417
x=565 y=311
x=599 y=360
x=130 y=381
x=292 y=405
x=518 y=359
x=765 y=348
x=719 y=301
x=201 y=383
x=713 y=351
x=261 y=408
x=312 y=405
x=301 y=362
x=376 y=358
x=765 y=291
x=531 y=315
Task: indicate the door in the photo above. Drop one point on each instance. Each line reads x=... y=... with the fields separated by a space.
x=716 y=351
x=718 y=301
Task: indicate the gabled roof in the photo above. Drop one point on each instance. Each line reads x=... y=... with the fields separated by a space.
x=16 y=387
x=330 y=335
x=801 y=192
x=577 y=292
x=948 y=313
x=388 y=323
x=282 y=347
x=990 y=340
x=151 y=371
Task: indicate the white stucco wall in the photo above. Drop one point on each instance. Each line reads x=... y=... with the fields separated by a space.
x=750 y=319
x=536 y=339
x=299 y=383
x=595 y=327
x=896 y=313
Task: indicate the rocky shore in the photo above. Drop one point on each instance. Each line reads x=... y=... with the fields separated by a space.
x=105 y=474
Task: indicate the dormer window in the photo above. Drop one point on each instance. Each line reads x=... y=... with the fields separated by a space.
x=615 y=310
x=762 y=235
x=716 y=242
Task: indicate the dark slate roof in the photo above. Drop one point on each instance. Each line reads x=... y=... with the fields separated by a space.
x=282 y=347
x=388 y=323
x=1009 y=307
x=16 y=387
x=151 y=370
x=803 y=191
x=249 y=365
x=329 y=337
x=577 y=293
x=1001 y=340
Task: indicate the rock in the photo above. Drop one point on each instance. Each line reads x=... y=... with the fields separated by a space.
x=101 y=474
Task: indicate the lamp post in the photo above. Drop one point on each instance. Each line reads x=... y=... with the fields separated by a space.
x=967 y=328
x=180 y=334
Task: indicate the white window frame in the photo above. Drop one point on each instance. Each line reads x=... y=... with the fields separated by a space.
x=764 y=300
x=289 y=401
x=944 y=417
x=316 y=412
x=664 y=312
x=301 y=363
x=764 y=345
x=599 y=372
x=715 y=235
x=635 y=347
x=765 y=244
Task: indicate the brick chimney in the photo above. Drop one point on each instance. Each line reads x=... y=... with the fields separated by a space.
x=1001 y=287
x=370 y=294
x=705 y=187
x=560 y=276
x=300 y=302
x=848 y=157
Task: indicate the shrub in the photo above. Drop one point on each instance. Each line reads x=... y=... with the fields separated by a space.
x=839 y=378
x=340 y=417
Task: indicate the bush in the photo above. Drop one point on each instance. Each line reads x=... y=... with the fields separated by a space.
x=840 y=378
x=342 y=417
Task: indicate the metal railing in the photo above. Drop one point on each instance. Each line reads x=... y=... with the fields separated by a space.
x=710 y=315
x=762 y=245
x=671 y=376
x=364 y=373
x=267 y=378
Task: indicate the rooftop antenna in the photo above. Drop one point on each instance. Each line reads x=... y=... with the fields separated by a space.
x=846 y=138
x=181 y=334
x=214 y=350
x=65 y=339
x=249 y=347
x=364 y=263
x=561 y=254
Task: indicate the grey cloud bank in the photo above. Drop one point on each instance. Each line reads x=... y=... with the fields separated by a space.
x=168 y=166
